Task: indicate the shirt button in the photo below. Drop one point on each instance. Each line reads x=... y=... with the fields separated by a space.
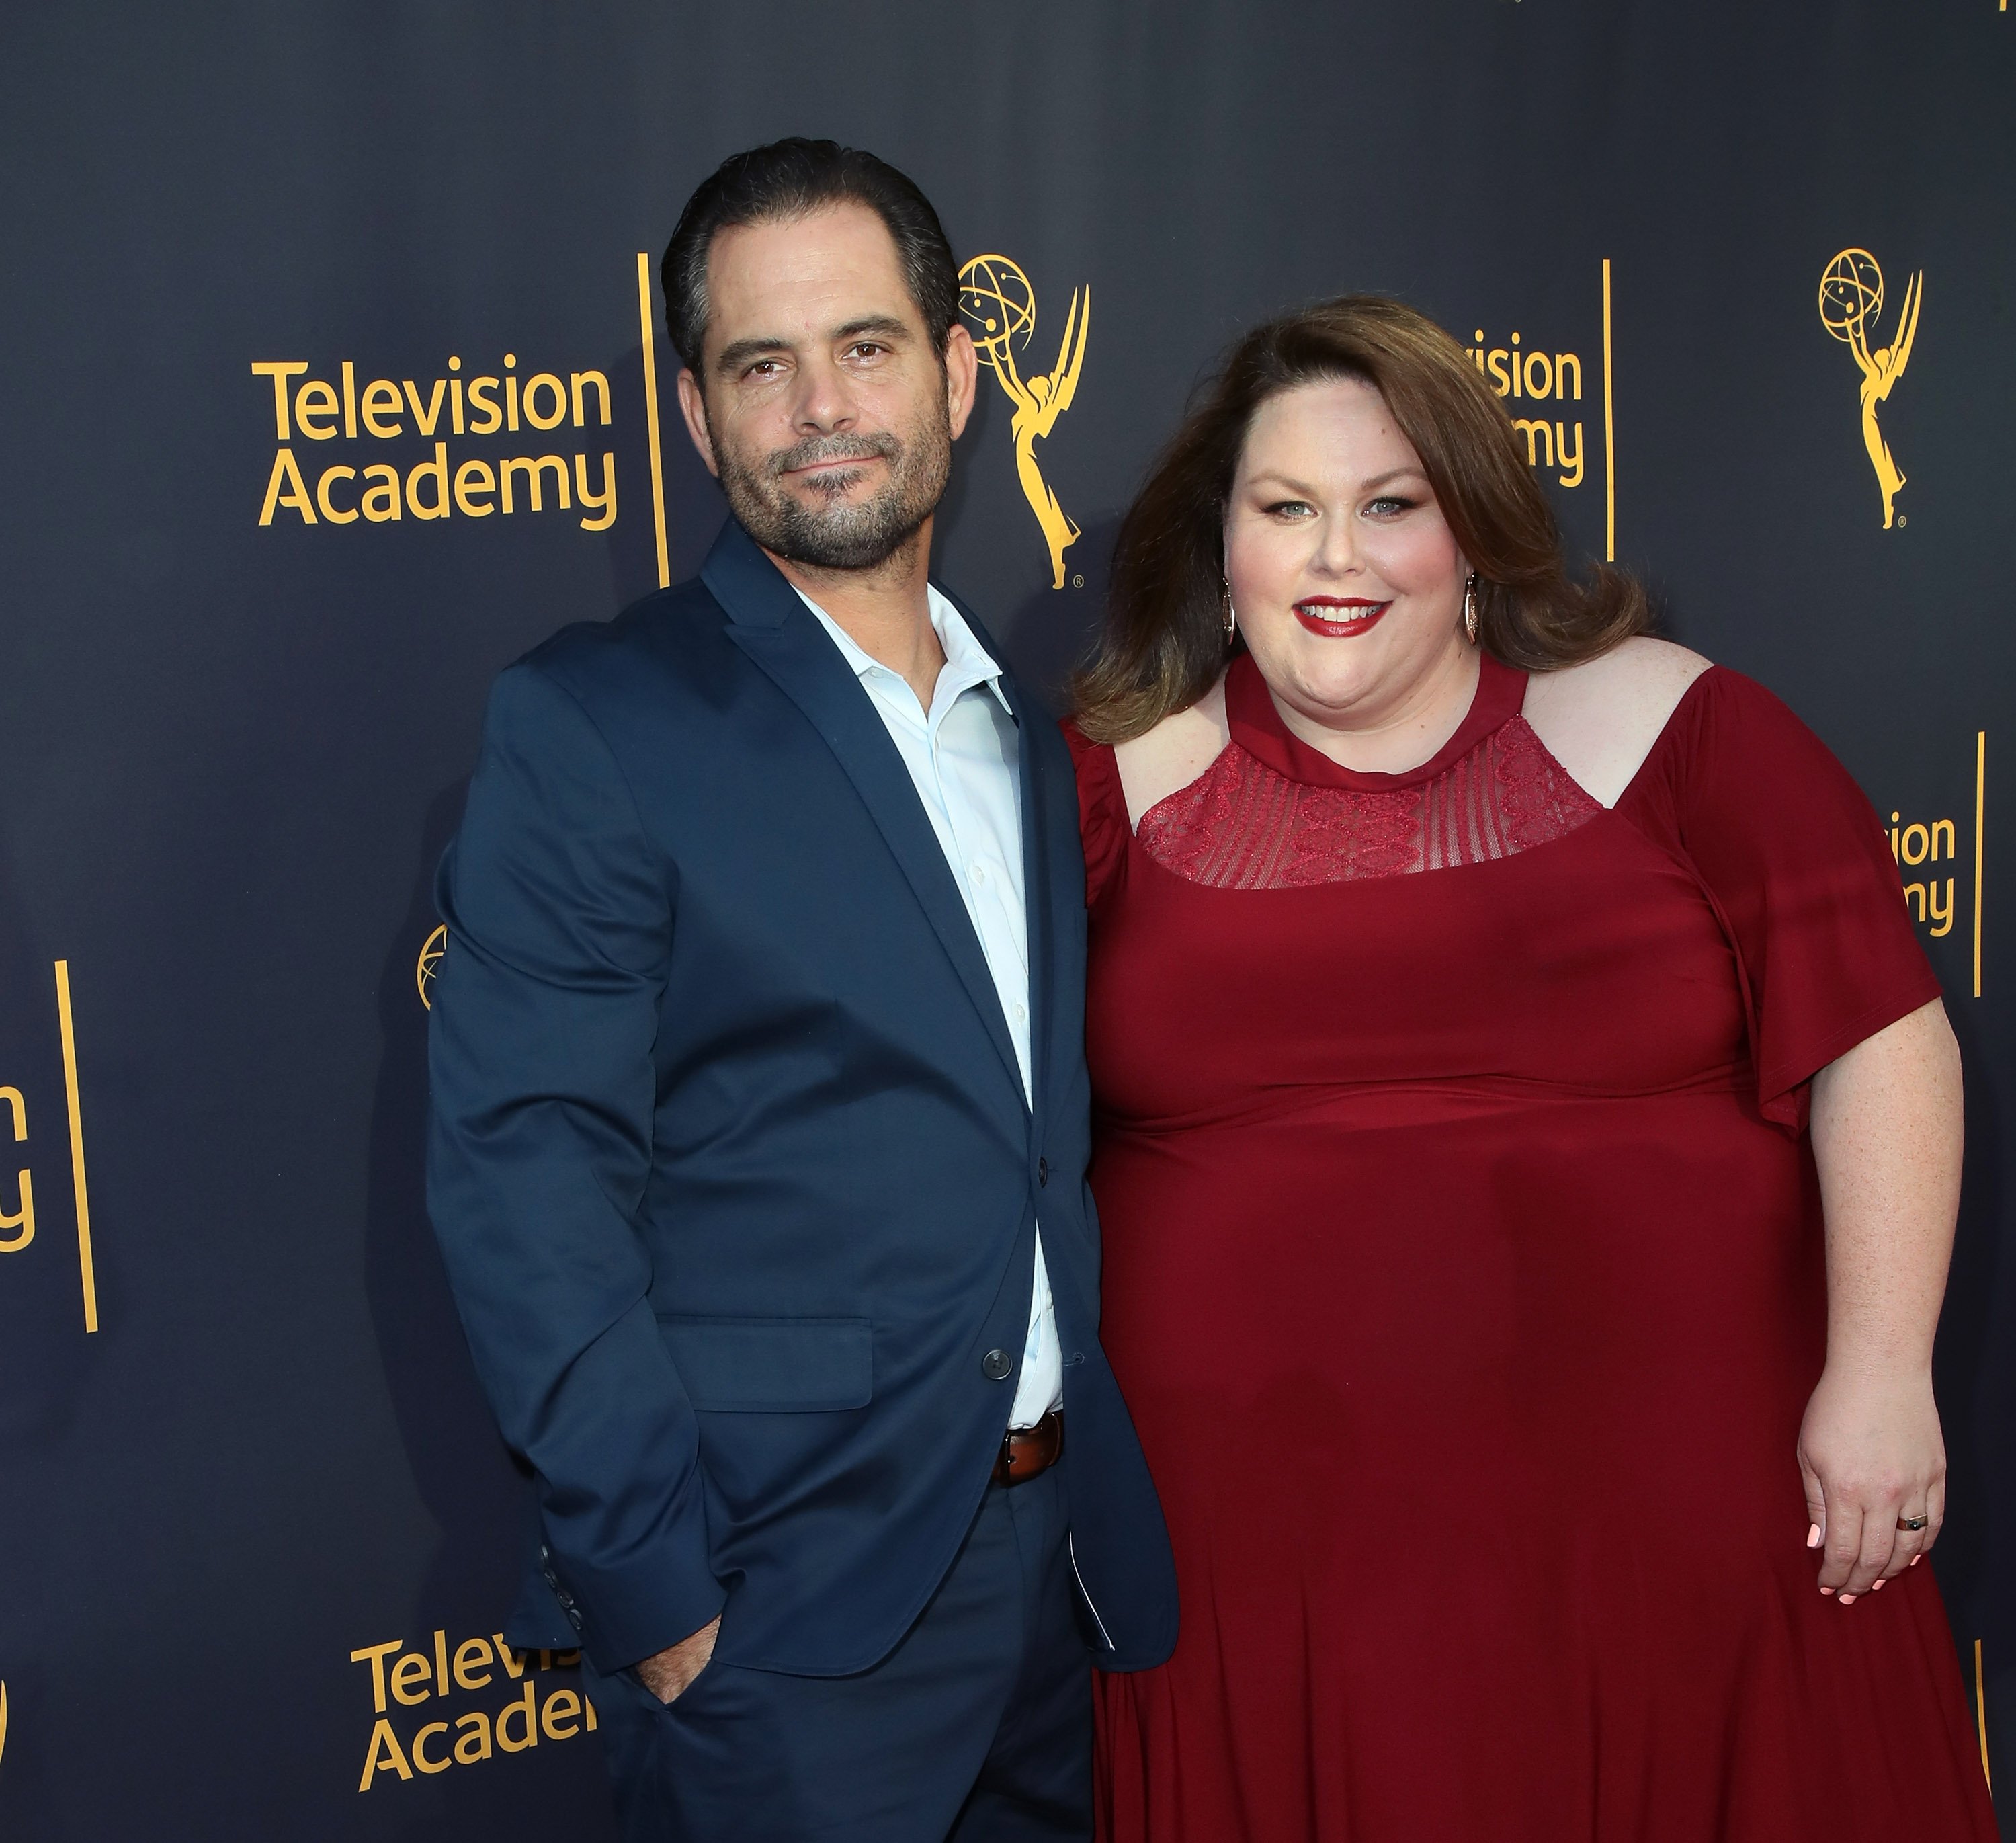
x=980 y=873
x=997 y=1366
x=1021 y=1014
x=1042 y=1170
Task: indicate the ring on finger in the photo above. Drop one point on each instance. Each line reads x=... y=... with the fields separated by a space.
x=1913 y=1522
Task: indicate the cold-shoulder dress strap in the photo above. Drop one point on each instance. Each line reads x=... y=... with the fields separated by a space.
x=1102 y=812
x=1799 y=868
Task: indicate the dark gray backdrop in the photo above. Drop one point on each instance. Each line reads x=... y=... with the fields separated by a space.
x=230 y=753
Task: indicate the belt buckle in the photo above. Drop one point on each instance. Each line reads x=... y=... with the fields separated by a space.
x=1005 y=1463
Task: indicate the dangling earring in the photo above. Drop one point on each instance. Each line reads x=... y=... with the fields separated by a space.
x=1225 y=602
x=1470 y=607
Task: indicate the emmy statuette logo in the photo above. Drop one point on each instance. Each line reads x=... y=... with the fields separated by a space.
x=430 y=957
x=1000 y=310
x=1851 y=302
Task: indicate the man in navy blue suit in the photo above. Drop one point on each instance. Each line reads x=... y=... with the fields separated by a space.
x=761 y=1111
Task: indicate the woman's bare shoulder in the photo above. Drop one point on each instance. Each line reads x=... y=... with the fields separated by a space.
x=1173 y=754
x=1600 y=718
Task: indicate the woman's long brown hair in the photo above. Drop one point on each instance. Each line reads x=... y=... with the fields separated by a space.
x=1164 y=643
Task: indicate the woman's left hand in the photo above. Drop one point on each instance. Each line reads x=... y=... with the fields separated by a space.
x=1872 y=1455
x=1886 y=1125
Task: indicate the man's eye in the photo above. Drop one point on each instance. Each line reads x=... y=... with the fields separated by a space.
x=763 y=368
x=867 y=348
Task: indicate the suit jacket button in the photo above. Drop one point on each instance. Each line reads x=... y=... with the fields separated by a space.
x=997 y=1366
x=1042 y=1171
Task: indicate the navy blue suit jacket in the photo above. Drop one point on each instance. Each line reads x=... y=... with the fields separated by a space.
x=730 y=1158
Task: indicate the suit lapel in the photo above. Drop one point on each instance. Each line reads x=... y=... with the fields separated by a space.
x=774 y=627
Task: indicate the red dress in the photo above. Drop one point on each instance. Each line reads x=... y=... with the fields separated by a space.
x=1464 y=1274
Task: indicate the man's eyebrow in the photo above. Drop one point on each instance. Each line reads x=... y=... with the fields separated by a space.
x=735 y=356
x=743 y=352
x=882 y=326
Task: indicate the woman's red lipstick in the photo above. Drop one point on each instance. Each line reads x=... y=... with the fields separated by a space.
x=1353 y=615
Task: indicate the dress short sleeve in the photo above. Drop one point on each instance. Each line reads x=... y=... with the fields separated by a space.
x=1102 y=812
x=1799 y=868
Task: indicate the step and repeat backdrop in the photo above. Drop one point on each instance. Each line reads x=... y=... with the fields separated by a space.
x=332 y=377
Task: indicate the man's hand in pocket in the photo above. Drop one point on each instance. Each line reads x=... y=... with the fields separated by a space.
x=667 y=1674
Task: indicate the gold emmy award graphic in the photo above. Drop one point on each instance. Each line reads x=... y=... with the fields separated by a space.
x=430 y=954
x=1000 y=306
x=1851 y=297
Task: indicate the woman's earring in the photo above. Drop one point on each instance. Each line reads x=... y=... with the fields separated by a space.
x=1225 y=603
x=1470 y=607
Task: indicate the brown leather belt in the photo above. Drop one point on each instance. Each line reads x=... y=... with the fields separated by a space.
x=1028 y=1452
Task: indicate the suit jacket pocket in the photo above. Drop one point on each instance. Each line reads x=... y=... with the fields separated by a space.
x=772 y=1365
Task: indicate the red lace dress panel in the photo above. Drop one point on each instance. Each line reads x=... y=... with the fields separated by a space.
x=1248 y=823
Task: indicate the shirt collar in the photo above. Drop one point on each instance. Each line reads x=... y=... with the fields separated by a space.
x=967 y=662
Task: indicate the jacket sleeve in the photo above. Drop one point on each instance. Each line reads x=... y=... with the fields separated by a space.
x=559 y=912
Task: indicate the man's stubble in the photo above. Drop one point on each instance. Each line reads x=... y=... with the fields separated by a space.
x=835 y=535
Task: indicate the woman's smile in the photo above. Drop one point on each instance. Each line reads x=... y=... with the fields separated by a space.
x=1339 y=618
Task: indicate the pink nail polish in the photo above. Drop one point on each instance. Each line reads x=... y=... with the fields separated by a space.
x=1876 y=1586
x=1847 y=1599
x=1827 y=1590
x=1813 y=1536
x=1917 y=1558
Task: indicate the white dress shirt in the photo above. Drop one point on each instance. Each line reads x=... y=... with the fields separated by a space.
x=964 y=755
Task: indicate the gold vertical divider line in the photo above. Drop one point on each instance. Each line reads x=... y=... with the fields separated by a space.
x=1980 y=1715
x=651 y=413
x=85 y=1267
x=1980 y=816
x=1609 y=431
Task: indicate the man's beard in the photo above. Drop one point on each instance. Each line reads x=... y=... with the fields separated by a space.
x=836 y=535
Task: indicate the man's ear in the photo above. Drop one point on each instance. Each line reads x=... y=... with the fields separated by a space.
x=693 y=406
x=962 y=371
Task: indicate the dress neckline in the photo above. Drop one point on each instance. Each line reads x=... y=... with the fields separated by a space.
x=1257 y=727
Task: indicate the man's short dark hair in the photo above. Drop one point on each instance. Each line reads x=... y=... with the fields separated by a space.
x=787 y=179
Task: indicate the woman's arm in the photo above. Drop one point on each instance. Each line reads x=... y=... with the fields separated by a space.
x=1887 y=1129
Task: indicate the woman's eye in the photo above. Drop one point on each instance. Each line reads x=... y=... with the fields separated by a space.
x=1291 y=509
x=1390 y=506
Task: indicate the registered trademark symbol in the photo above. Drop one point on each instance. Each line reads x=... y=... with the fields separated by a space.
x=1077 y=582
x=1902 y=522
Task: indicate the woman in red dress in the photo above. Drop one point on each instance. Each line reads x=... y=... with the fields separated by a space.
x=1529 y=1147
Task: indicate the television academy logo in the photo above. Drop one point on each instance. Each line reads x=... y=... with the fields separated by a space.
x=1851 y=303
x=999 y=307
x=1541 y=388
x=520 y=1700
x=17 y=1225
x=446 y=482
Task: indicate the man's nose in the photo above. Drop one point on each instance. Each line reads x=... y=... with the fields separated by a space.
x=824 y=404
